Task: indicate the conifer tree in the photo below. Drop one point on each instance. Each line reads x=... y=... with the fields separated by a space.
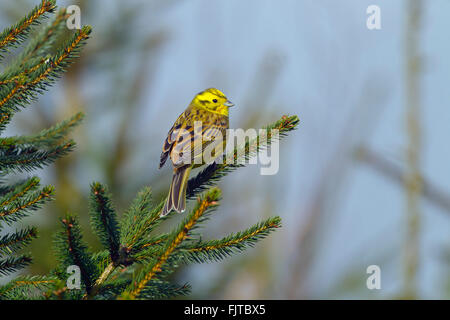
x=30 y=71
x=136 y=258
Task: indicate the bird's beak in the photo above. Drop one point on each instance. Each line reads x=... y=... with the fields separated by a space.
x=228 y=103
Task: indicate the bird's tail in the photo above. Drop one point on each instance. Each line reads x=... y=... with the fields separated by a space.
x=176 y=199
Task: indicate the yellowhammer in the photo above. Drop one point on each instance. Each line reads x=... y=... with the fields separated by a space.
x=200 y=127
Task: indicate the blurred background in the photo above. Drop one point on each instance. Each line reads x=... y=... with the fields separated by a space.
x=364 y=180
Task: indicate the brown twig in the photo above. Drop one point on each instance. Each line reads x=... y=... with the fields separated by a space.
x=394 y=172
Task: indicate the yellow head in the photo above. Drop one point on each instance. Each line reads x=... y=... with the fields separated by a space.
x=212 y=100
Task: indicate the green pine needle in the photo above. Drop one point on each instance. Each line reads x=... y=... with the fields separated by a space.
x=138 y=220
x=13 y=264
x=214 y=172
x=17 y=160
x=216 y=250
x=30 y=72
x=21 y=207
x=13 y=242
x=204 y=204
x=35 y=81
x=27 y=287
x=17 y=33
x=158 y=289
x=104 y=220
x=37 y=51
x=71 y=250
x=47 y=138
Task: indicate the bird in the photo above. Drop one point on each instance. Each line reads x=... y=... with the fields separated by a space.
x=201 y=126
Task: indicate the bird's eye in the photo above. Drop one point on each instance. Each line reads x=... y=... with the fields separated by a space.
x=215 y=100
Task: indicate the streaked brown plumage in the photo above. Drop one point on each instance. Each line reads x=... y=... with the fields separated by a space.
x=186 y=147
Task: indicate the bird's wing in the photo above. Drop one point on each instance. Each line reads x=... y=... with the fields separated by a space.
x=173 y=135
x=186 y=140
x=191 y=149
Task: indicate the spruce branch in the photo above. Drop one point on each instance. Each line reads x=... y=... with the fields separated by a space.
x=214 y=172
x=18 y=74
x=104 y=220
x=6 y=188
x=136 y=221
x=41 y=45
x=13 y=89
x=199 y=251
x=165 y=290
x=10 y=243
x=140 y=220
x=26 y=88
x=12 y=264
x=5 y=117
x=29 y=158
x=207 y=202
x=62 y=60
x=27 y=287
x=47 y=137
x=105 y=274
x=20 y=207
x=99 y=283
x=18 y=33
x=112 y=290
x=216 y=250
x=19 y=191
x=71 y=250
x=30 y=72
x=150 y=248
x=134 y=226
